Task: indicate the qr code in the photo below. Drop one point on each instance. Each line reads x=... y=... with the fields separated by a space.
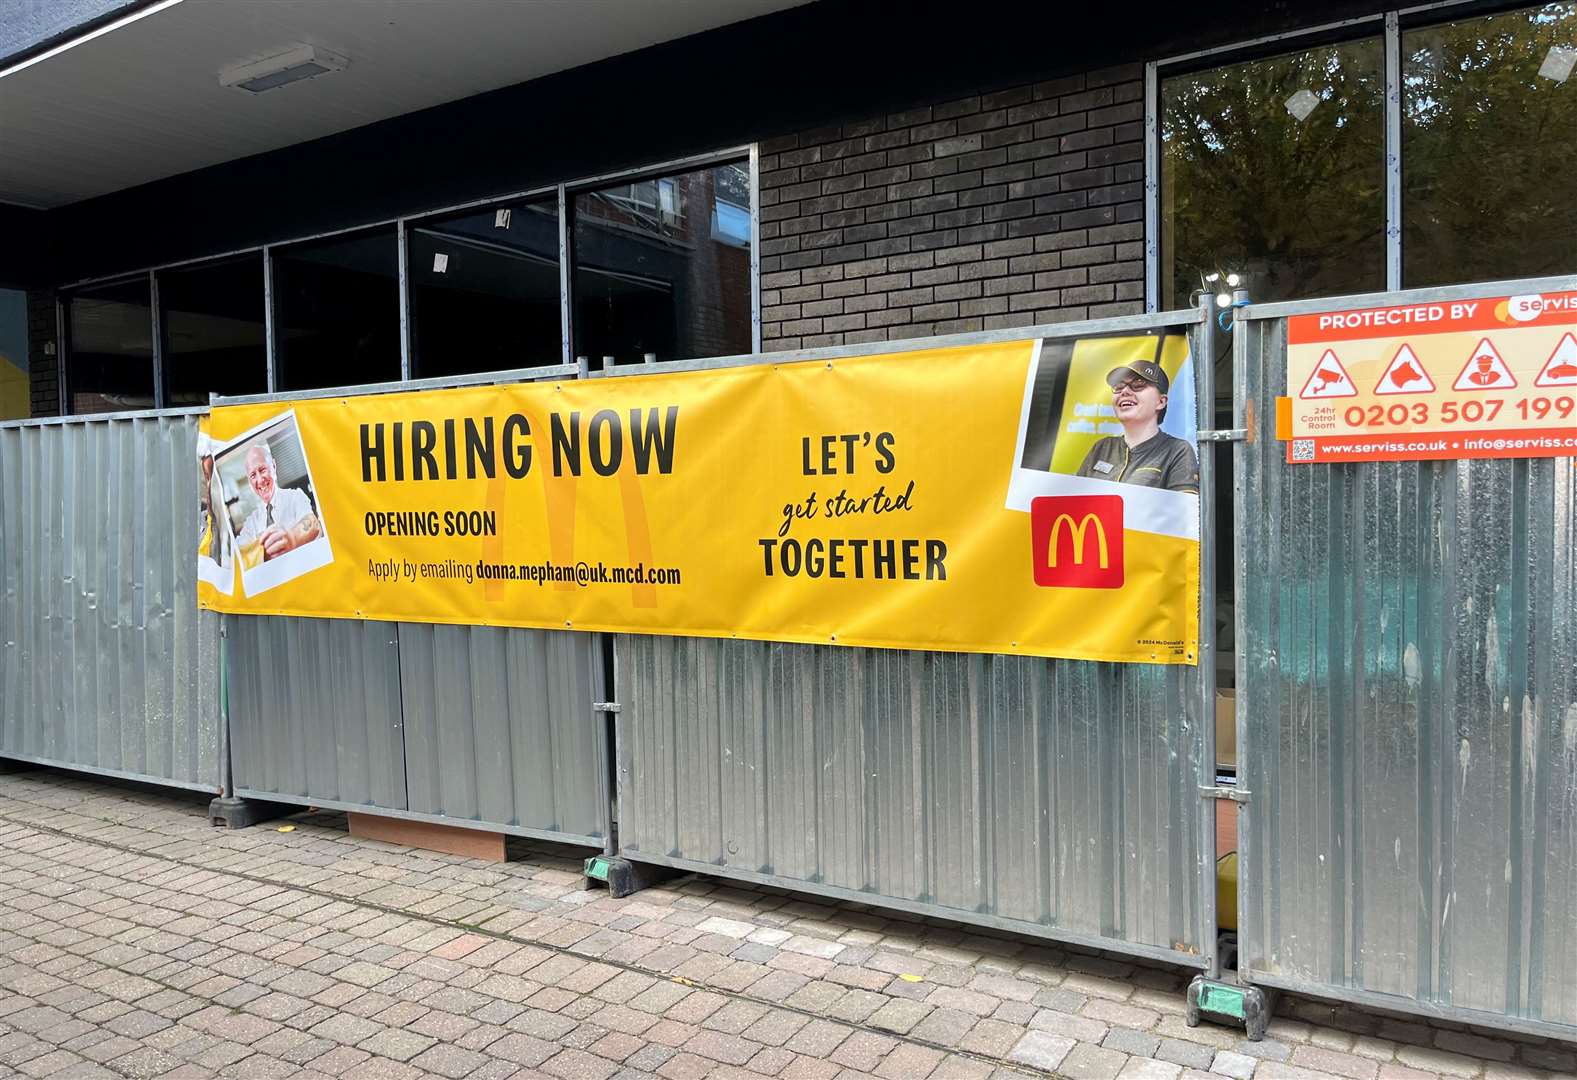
x=1302 y=449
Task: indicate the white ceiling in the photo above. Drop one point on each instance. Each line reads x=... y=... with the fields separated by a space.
x=143 y=101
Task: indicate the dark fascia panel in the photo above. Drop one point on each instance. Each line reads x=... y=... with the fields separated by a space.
x=26 y=254
x=29 y=27
x=808 y=67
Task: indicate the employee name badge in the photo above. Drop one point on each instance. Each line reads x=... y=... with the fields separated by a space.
x=1103 y=466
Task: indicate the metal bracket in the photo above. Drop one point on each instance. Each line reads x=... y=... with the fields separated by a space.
x=1235 y=794
x=1237 y=434
x=605 y=706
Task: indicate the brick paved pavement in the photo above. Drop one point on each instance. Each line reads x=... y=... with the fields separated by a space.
x=136 y=941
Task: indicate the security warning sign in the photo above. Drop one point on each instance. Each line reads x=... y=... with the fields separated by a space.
x=1561 y=368
x=1328 y=379
x=1405 y=375
x=1495 y=377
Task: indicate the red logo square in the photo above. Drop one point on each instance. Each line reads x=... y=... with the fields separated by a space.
x=1078 y=541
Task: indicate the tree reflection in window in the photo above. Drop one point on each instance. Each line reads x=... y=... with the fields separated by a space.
x=1488 y=126
x=1274 y=169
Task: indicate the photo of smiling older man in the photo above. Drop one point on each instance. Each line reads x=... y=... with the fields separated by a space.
x=271 y=505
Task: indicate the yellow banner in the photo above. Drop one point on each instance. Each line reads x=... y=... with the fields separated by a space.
x=924 y=500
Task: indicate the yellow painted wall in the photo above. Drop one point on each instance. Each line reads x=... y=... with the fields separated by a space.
x=14 y=401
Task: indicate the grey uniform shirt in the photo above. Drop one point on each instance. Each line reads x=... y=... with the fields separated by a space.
x=1161 y=461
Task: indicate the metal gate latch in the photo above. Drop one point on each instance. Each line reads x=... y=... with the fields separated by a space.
x=1235 y=794
x=1236 y=434
x=605 y=706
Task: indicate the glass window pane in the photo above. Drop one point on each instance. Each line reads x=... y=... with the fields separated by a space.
x=110 y=334
x=485 y=290
x=1488 y=123
x=1275 y=169
x=212 y=318
x=337 y=311
x=15 y=390
x=662 y=266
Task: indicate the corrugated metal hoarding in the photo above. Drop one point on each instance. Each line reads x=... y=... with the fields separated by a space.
x=315 y=711
x=499 y=728
x=465 y=724
x=107 y=664
x=1042 y=796
x=1408 y=724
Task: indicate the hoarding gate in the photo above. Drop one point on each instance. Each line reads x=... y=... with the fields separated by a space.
x=1407 y=713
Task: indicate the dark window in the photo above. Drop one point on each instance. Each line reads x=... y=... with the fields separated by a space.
x=1274 y=169
x=485 y=290
x=212 y=319
x=1489 y=120
x=110 y=347
x=337 y=311
x=662 y=266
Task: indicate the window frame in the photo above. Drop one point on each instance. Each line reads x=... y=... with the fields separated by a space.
x=1386 y=25
x=564 y=192
x=65 y=340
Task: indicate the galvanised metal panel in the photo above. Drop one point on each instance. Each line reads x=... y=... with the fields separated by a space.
x=107 y=664
x=315 y=710
x=1051 y=797
x=499 y=729
x=1407 y=687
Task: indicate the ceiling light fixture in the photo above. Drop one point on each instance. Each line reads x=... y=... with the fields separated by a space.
x=292 y=65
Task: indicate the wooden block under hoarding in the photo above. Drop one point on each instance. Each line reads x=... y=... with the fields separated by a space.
x=470 y=843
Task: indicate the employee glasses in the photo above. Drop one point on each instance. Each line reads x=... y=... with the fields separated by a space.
x=1135 y=384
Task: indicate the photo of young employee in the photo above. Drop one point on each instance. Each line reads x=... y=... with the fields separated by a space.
x=1143 y=454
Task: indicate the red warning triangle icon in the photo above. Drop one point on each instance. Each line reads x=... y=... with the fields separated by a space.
x=1405 y=375
x=1561 y=368
x=1328 y=380
x=1485 y=370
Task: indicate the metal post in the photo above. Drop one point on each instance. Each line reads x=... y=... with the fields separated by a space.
x=566 y=279
x=61 y=349
x=1152 y=191
x=156 y=325
x=403 y=241
x=1393 y=153
x=1205 y=383
x=226 y=774
x=755 y=247
x=272 y=380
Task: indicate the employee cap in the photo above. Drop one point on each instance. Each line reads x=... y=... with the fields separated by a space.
x=1148 y=370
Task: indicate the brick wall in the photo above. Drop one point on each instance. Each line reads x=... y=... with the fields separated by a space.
x=1012 y=208
x=43 y=366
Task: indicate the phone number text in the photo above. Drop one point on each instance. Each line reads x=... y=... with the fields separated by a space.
x=1473 y=411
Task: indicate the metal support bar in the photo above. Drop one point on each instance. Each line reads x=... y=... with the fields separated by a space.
x=157 y=328
x=402 y=240
x=1393 y=152
x=1152 y=189
x=566 y=308
x=1205 y=412
x=755 y=247
x=61 y=349
x=271 y=351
